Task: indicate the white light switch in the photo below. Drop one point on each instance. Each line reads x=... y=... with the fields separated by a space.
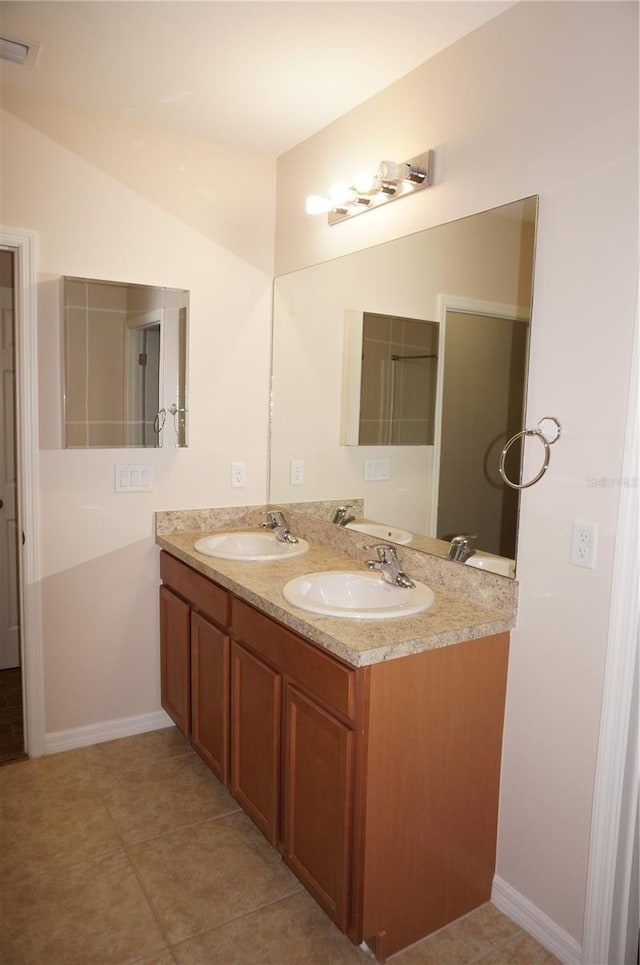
x=133 y=479
x=376 y=470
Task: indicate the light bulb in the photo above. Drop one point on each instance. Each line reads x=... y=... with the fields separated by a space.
x=366 y=182
x=392 y=171
x=318 y=205
x=341 y=195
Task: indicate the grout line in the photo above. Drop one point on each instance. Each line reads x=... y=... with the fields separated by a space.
x=246 y=914
x=132 y=866
x=183 y=827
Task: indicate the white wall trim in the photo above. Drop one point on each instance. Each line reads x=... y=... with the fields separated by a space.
x=615 y=799
x=23 y=244
x=105 y=730
x=524 y=913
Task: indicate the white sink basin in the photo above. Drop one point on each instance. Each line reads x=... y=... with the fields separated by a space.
x=391 y=534
x=249 y=546
x=356 y=595
x=492 y=564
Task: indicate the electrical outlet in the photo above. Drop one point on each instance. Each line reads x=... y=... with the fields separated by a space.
x=238 y=475
x=296 y=472
x=584 y=537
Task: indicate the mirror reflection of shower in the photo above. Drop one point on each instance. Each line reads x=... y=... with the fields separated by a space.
x=125 y=365
x=398 y=381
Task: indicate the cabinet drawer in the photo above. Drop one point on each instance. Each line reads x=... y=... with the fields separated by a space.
x=318 y=672
x=204 y=595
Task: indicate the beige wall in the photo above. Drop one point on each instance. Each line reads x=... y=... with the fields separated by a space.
x=101 y=209
x=543 y=100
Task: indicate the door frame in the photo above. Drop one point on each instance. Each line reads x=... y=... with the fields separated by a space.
x=611 y=912
x=23 y=245
x=473 y=306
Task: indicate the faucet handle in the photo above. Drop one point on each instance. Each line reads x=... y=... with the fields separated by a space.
x=274 y=518
x=385 y=551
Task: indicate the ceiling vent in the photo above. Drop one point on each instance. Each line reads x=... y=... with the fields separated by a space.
x=19 y=51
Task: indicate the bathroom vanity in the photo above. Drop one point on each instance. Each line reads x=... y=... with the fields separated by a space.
x=377 y=779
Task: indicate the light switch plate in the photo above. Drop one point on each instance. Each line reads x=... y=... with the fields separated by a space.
x=133 y=479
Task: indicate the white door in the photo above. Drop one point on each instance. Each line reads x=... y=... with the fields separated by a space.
x=9 y=619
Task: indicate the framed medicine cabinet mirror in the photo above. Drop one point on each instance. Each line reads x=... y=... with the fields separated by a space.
x=125 y=365
x=399 y=374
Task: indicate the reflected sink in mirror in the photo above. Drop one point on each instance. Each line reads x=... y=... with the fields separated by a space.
x=249 y=547
x=491 y=564
x=391 y=534
x=356 y=595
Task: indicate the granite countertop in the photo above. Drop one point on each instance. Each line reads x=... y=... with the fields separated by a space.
x=451 y=619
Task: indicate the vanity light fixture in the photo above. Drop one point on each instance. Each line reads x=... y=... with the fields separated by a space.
x=391 y=181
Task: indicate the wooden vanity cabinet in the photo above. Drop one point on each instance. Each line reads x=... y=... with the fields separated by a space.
x=378 y=784
x=194 y=647
x=175 y=658
x=255 y=739
x=294 y=711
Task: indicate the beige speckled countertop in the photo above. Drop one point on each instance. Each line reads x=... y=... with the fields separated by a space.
x=452 y=619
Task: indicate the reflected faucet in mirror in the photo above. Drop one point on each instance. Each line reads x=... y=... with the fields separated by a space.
x=459 y=550
x=342 y=516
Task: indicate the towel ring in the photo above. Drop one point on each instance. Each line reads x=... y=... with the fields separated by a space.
x=159 y=421
x=538 y=431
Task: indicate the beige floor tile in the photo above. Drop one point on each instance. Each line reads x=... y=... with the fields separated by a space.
x=91 y=914
x=294 y=931
x=523 y=950
x=152 y=746
x=463 y=941
x=54 y=770
x=210 y=873
x=148 y=798
x=163 y=958
x=52 y=816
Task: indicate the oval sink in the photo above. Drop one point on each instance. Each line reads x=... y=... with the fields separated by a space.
x=249 y=546
x=391 y=534
x=356 y=595
x=503 y=567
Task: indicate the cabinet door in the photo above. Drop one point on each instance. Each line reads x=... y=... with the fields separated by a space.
x=175 y=658
x=318 y=794
x=210 y=695
x=255 y=739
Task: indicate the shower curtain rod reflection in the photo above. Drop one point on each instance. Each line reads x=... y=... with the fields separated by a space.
x=405 y=358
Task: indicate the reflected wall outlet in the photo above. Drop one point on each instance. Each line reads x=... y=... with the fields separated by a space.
x=238 y=475
x=296 y=472
x=584 y=538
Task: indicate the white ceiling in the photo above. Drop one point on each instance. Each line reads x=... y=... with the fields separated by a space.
x=257 y=75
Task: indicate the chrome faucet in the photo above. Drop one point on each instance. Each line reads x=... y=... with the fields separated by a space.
x=342 y=516
x=459 y=550
x=278 y=524
x=388 y=565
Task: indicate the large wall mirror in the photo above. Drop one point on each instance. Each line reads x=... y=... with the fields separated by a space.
x=442 y=319
x=125 y=365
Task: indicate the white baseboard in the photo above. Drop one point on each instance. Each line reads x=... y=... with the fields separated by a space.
x=524 y=913
x=104 y=730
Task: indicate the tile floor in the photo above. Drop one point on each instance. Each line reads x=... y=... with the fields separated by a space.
x=132 y=853
x=11 y=737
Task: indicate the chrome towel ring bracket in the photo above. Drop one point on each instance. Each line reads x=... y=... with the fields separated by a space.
x=547 y=436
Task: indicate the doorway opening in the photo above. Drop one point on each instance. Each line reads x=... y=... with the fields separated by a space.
x=12 y=743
